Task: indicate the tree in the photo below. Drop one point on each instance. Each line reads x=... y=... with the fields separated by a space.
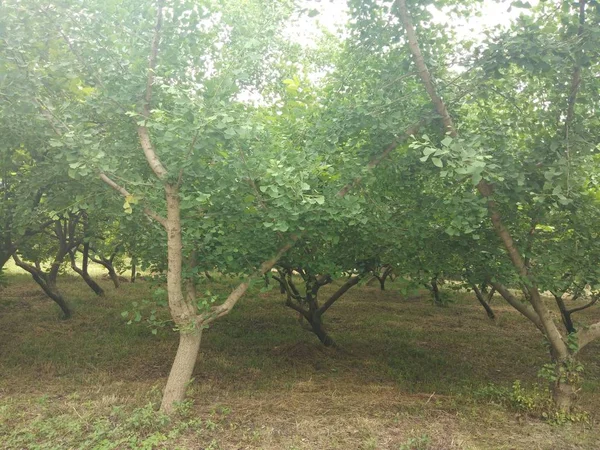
x=539 y=147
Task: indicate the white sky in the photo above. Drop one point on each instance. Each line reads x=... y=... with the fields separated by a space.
x=332 y=15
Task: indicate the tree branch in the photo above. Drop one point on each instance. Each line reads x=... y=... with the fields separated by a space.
x=341 y=291
x=241 y=289
x=143 y=133
x=424 y=74
x=410 y=131
x=125 y=193
x=523 y=308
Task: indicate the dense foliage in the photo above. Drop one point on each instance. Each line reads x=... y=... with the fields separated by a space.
x=189 y=137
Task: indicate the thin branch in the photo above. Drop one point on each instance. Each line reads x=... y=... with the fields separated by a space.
x=241 y=289
x=410 y=131
x=586 y=306
x=143 y=133
x=125 y=193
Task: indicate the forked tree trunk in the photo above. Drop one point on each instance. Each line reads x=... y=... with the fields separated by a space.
x=479 y=295
x=83 y=271
x=313 y=313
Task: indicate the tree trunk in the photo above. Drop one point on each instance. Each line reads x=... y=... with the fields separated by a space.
x=486 y=306
x=83 y=273
x=52 y=291
x=182 y=309
x=563 y=394
x=113 y=276
x=133 y=271
x=565 y=314
x=182 y=368
x=384 y=276
x=48 y=285
x=4 y=257
x=317 y=327
x=437 y=298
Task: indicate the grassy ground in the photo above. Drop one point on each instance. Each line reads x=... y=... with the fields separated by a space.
x=407 y=375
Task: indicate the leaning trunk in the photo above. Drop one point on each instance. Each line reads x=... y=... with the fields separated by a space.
x=84 y=274
x=48 y=285
x=113 y=276
x=481 y=299
x=52 y=291
x=90 y=282
x=316 y=325
x=182 y=369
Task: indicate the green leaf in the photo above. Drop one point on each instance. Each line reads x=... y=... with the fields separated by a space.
x=437 y=162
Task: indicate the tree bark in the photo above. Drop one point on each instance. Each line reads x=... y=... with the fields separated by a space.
x=564 y=395
x=436 y=293
x=108 y=265
x=133 y=271
x=313 y=313
x=565 y=314
x=182 y=368
x=540 y=316
x=383 y=276
x=4 y=257
x=83 y=271
x=182 y=309
x=48 y=286
x=488 y=309
x=317 y=328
